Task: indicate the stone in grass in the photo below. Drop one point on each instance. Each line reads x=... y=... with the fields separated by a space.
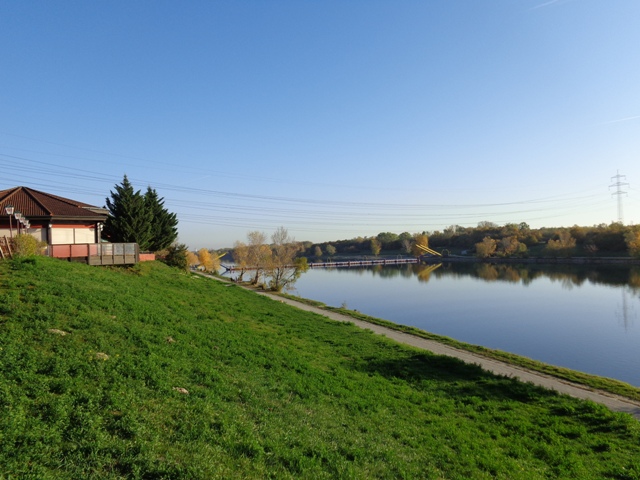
x=102 y=356
x=56 y=331
x=184 y=391
x=170 y=340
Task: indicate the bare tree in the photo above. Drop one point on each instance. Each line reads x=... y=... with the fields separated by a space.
x=253 y=255
x=284 y=268
x=240 y=258
x=258 y=254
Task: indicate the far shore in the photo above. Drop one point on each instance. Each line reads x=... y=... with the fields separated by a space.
x=539 y=260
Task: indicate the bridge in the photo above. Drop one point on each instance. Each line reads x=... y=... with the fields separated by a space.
x=363 y=263
x=341 y=264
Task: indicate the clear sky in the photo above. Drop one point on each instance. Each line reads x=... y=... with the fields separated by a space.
x=334 y=119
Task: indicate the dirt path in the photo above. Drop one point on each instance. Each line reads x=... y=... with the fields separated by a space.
x=617 y=404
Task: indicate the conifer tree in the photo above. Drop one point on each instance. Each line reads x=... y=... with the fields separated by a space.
x=129 y=220
x=164 y=224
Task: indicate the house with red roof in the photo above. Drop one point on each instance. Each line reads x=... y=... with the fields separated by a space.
x=71 y=229
x=54 y=220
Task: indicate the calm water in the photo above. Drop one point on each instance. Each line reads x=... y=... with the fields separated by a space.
x=583 y=319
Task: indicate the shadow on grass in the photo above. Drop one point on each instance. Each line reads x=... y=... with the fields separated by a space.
x=455 y=378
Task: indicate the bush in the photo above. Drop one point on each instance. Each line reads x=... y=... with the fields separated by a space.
x=176 y=256
x=564 y=246
x=25 y=245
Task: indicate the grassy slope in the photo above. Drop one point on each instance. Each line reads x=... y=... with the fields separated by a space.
x=274 y=392
x=610 y=385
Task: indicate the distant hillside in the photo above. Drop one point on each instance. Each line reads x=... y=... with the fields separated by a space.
x=153 y=373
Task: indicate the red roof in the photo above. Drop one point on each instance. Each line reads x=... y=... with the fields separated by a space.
x=33 y=203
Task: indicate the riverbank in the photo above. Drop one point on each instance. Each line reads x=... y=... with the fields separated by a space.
x=571 y=371
x=616 y=395
x=151 y=372
x=357 y=260
x=539 y=260
x=613 y=401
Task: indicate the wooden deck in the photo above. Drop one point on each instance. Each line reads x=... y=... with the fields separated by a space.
x=97 y=253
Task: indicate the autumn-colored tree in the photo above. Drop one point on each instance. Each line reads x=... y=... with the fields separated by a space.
x=331 y=250
x=376 y=246
x=486 y=247
x=317 y=252
x=240 y=256
x=632 y=239
x=564 y=246
x=419 y=239
x=206 y=260
x=192 y=259
x=254 y=255
x=509 y=246
x=283 y=267
x=25 y=245
x=258 y=254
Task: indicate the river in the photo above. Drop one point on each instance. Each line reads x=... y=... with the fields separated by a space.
x=582 y=318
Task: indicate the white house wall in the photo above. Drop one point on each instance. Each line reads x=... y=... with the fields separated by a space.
x=73 y=235
x=39 y=233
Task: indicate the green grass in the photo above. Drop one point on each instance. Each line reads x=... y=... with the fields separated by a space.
x=274 y=392
x=615 y=387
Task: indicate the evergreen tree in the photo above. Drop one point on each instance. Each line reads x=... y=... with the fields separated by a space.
x=164 y=225
x=130 y=220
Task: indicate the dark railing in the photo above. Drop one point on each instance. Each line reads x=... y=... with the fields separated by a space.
x=97 y=253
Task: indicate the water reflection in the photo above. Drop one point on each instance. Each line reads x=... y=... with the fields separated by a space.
x=568 y=276
x=576 y=316
x=626 y=313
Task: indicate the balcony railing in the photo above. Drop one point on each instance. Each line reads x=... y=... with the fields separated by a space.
x=97 y=253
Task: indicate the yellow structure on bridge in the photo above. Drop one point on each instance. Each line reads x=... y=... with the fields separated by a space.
x=428 y=250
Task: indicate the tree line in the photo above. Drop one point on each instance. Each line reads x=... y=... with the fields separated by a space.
x=491 y=240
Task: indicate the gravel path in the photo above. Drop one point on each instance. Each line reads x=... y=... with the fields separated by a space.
x=615 y=403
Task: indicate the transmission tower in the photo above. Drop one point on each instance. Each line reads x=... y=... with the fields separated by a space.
x=619 y=192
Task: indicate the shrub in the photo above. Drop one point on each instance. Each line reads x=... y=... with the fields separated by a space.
x=176 y=256
x=564 y=246
x=25 y=245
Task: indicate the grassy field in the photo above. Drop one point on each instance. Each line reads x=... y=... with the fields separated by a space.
x=273 y=392
x=610 y=385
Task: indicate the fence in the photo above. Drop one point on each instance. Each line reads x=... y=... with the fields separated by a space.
x=97 y=253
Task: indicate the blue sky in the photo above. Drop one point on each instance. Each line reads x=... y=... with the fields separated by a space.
x=333 y=119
